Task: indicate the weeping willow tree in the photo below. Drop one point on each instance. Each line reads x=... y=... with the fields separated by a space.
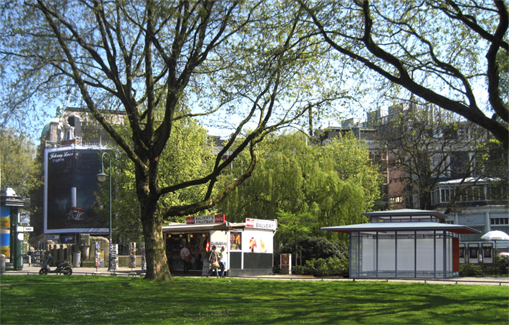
x=307 y=186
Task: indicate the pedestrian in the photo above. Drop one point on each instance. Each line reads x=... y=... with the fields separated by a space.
x=185 y=254
x=214 y=261
x=222 y=260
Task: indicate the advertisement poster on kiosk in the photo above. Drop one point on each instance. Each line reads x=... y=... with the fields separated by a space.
x=258 y=241
x=236 y=241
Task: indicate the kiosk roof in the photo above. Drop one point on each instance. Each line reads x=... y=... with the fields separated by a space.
x=403 y=226
x=185 y=228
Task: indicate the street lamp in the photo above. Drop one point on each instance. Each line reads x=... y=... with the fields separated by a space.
x=101 y=177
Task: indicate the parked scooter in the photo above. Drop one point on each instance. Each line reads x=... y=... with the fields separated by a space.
x=62 y=266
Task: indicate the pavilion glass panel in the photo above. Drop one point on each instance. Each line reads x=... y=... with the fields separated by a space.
x=387 y=254
x=368 y=253
x=405 y=249
x=425 y=254
x=439 y=254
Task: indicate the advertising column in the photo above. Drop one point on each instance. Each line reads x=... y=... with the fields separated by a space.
x=99 y=255
x=5 y=232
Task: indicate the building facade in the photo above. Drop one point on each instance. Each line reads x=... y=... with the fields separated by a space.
x=432 y=161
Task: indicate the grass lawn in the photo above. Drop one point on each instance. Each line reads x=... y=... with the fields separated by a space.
x=122 y=300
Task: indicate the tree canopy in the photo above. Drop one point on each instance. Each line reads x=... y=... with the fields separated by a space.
x=195 y=156
x=18 y=167
x=243 y=62
x=250 y=65
x=306 y=186
x=450 y=53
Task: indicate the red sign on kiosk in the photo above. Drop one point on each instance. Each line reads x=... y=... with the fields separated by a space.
x=218 y=218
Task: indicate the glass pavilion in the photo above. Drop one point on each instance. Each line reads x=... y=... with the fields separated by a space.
x=404 y=244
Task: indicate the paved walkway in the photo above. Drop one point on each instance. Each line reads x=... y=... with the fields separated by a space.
x=124 y=271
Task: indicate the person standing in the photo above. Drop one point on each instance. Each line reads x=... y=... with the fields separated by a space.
x=222 y=260
x=185 y=254
x=214 y=261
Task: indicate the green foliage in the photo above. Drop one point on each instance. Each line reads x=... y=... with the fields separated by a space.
x=319 y=256
x=497 y=268
x=188 y=155
x=234 y=64
x=292 y=226
x=440 y=51
x=316 y=248
x=19 y=168
x=468 y=269
x=307 y=186
x=319 y=267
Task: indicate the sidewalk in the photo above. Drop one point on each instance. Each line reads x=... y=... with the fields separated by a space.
x=125 y=271
x=34 y=269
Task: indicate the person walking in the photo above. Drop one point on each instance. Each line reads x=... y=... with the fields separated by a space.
x=222 y=260
x=214 y=261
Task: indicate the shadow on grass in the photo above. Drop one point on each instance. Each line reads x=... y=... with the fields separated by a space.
x=105 y=300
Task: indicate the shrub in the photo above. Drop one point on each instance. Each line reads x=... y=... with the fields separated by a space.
x=316 y=248
x=500 y=267
x=329 y=266
x=470 y=269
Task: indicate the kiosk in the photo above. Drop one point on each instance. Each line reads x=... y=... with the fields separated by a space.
x=249 y=245
x=11 y=230
x=405 y=243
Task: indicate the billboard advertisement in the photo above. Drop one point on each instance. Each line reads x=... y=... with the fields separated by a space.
x=70 y=187
x=258 y=241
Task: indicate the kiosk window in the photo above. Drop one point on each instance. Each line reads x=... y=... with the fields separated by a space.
x=473 y=252
x=236 y=241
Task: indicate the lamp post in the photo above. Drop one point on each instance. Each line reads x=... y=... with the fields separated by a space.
x=101 y=177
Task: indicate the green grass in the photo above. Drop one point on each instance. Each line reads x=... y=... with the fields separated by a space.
x=123 y=300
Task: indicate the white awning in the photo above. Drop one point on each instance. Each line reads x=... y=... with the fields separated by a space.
x=185 y=228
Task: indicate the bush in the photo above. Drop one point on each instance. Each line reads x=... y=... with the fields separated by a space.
x=316 y=248
x=500 y=267
x=329 y=266
x=470 y=269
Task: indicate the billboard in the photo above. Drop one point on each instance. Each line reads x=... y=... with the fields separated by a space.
x=69 y=190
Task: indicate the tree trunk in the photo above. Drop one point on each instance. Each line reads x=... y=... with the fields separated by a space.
x=152 y=221
x=157 y=262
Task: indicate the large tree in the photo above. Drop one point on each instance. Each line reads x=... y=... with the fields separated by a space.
x=195 y=156
x=242 y=61
x=448 y=52
x=307 y=186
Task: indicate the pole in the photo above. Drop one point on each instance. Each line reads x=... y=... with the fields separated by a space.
x=110 y=230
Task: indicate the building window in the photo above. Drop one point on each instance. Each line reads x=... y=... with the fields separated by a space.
x=396 y=199
x=500 y=221
x=445 y=195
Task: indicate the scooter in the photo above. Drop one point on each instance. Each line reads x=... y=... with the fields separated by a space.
x=62 y=266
